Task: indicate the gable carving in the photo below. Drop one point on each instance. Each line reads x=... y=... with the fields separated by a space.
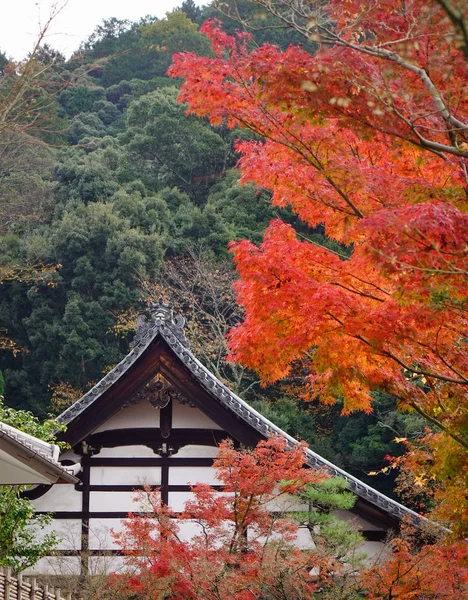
x=158 y=392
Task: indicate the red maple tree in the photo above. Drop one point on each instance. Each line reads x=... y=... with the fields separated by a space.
x=241 y=548
x=369 y=137
x=434 y=572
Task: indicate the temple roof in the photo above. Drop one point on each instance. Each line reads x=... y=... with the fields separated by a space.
x=159 y=321
x=25 y=459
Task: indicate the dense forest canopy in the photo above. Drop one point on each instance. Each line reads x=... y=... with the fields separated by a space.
x=114 y=194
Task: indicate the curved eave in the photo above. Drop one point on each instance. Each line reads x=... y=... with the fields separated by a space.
x=23 y=464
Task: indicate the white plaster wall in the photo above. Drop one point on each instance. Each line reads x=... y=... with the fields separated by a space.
x=67 y=530
x=99 y=565
x=113 y=501
x=286 y=503
x=100 y=533
x=101 y=538
x=193 y=451
x=184 y=416
x=134 y=416
x=56 y=565
x=61 y=497
x=192 y=475
x=126 y=452
x=302 y=541
x=125 y=475
x=178 y=499
x=188 y=529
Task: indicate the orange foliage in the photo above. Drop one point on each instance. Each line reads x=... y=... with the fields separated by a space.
x=368 y=137
x=434 y=572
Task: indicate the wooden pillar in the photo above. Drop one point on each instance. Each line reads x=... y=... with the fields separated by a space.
x=165 y=427
x=85 y=463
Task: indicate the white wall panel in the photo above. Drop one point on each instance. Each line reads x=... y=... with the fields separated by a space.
x=127 y=452
x=177 y=500
x=286 y=503
x=193 y=451
x=192 y=475
x=125 y=475
x=134 y=416
x=184 y=416
x=113 y=501
x=61 y=497
x=100 y=533
x=188 y=529
x=56 y=565
x=67 y=530
x=99 y=565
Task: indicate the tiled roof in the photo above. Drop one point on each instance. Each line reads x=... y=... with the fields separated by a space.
x=30 y=450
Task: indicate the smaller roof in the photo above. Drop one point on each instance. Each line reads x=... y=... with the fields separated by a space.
x=25 y=460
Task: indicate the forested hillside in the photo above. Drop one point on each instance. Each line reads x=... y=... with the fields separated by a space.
x=115 y=195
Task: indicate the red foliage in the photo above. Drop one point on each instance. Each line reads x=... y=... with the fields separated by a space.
x=434 y=572
x=368 y=137
x=240 y=550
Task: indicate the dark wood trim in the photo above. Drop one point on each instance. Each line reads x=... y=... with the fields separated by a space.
x=174 y=370
x=163 y=487
x=165 y=484
x=375 y=515
x=115 y=396
x=165 y=420
x=96 y=461
x=372 y=535
x=153 y=438
x=85 y=514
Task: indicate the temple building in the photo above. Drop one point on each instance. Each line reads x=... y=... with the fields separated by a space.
x=157 y=418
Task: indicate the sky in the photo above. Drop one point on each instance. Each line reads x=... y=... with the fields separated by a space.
x=21 y=19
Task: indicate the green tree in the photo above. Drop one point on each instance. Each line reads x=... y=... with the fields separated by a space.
x=193 y=12
x=22 y=538
x=167 y=148
x=175 y=33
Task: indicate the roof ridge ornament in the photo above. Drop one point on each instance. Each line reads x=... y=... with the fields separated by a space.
x=159 y=315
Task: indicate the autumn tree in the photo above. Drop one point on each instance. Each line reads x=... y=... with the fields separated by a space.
x=241 y=549
x=431 y=572
x=369 y=137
